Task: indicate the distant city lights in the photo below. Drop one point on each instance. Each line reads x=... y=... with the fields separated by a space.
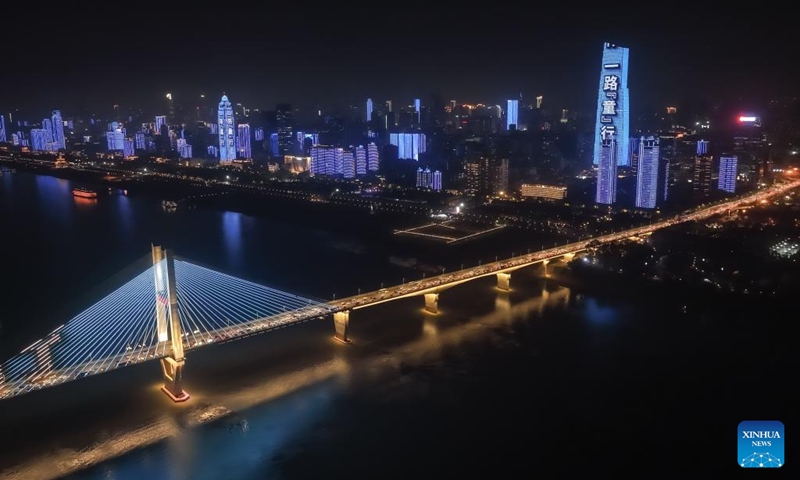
x=785 y=249
x=747 y=119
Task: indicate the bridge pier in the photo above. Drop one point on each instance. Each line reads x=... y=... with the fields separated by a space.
x=173 y=379
x=504 y=281
x=432 y=302
x=340 y=322
x=544 y=264
x=569 y=256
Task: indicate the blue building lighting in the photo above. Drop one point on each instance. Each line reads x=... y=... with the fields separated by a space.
x=647 y=173
x=728 y=169
x=512 y=115
x=702 y=147
x=369 y=110
x=243 y=141
x=3 y=129
x=58 y=130
x=373 y=161
x=409 y=145
x=361 y=160
x=417 y=109
x=613 y=108
x=607 y=171
x=227 y=134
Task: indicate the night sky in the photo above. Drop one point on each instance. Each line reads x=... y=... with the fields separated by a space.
x=131 y=54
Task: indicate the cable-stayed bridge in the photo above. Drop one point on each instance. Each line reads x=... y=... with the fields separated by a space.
x=172 y=307
x=176 y=306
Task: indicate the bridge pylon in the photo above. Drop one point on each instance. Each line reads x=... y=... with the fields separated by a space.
x=168 y=325
x=504 y=281
x=432 y=302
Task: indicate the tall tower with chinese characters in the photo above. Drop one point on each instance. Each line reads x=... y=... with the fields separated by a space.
x=227 y=132
x=613 y=109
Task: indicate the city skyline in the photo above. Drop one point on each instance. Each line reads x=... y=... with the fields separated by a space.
x=276 y=65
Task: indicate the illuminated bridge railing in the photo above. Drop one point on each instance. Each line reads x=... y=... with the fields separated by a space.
x=120 y=329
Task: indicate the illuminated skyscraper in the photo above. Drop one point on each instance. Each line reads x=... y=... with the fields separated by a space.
x=613 y=109
x=417 y=109
x=183 y=148
x=512 y=115
x=58 y=129
x=348 y=164
x=226 y=129
x=243 y=141
x=647 y=173
x=369 y=110
x=3 y=129
x=361 y=160
x=128 y=149
x=38 y=141
x=436 y=181
x=139 y=141
x=259 y=134
x=285 y=125
x=373 y=162
x=409 y=145
x=115 y=139
x=607 y=170
x=539 y=101
x=727 y=173
x=47 y=126
x=326 y=160
x=161 y=120
x=424 y=178
x=703 y=162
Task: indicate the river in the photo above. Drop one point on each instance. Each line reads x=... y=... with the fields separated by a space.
x=549 y=378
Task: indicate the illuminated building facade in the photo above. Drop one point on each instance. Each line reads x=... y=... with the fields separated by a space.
x=161 y=120
x=369 y=110
x=243 y=149
x=38 y=140
x=227 y=135
x=285 y=125
x=424 y=178
x=58 y=130
x=512 y=115
x=703 y=164
x=409 y=145
x=607 y=170
x=348 y=164
x=436 y=181
x=728 y=169
x=361 y=160
x=326 y=160
x=550 y=192
x=3 y=129
x=115 y=139
x=613 y=109
x=128 y=149
x=140 y=142
x=417 y=109
x=373 y=161
x=647 y=173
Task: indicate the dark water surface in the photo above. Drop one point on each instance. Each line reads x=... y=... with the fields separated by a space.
x=546 y=381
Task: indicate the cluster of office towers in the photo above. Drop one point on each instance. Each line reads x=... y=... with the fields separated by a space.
x=613 y=146
x=49 y=138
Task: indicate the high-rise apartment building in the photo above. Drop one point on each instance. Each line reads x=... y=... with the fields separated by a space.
x=512 y=115
x=285 y=124
x=369 y=110
x=227 y=134
x=409 y=145
x=58 y=130
x=373 y=161
x=360 y=154
x=243 y=141
x=3 y=137
x=161 y=121
x=607 y=170
x=728 y=170
x=647 y=172
x=703 y=165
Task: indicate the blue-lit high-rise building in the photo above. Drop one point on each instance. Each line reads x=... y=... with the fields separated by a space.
x=115 y=139
x=512 y=115
x=227 y=133
x=243 y=141
x=417 y=110
x=728 y=166
x=348 y=164
x=128 y=149
x=647 y=172
x=140 y=141
x=161 y=121
x=373 y=161
x=702 y=147
x=607 y=170
x=3 y=129
x=361 y=160
x=369 y=110
x=38 y=139
x=58 y=130
x=613 y=108
x=409 y=145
